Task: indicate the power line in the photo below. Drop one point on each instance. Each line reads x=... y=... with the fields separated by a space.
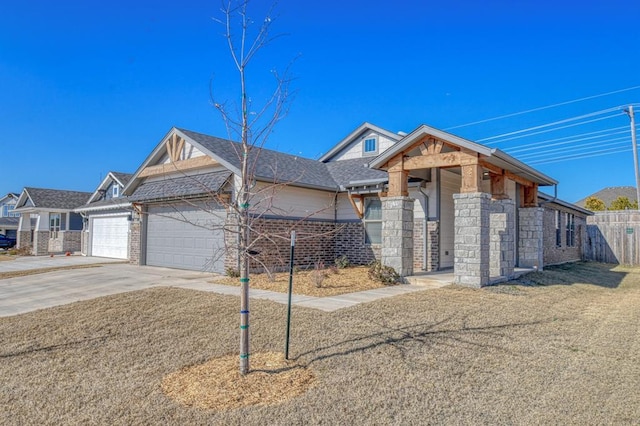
x=569 y=139
x=578 y=157
x=543 y=108
x=549 y=130
x=575 y=149
x=542 y=126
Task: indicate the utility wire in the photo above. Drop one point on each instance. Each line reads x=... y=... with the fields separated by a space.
x=575 y=149
x=569 y=139
x=578 y=157
x=544 y=107
x=553 y=130
x=543 y=126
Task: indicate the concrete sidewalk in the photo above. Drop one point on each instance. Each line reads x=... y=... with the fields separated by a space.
x=25 y=263
x=25 y=294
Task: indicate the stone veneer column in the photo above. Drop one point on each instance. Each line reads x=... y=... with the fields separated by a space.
x=471 y=244
x=397 y=234
x=502 y=238
x=530 y=246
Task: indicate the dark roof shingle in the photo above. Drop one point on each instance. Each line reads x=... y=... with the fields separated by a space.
x=124 y=178
x=57 y=198
x=180 y=187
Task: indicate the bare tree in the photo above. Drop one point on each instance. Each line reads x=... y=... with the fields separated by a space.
x=251 y=126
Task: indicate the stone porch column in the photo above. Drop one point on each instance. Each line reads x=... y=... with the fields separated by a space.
x=531 y=244
x=397 y=234
x=471 y=244
x=502 y=238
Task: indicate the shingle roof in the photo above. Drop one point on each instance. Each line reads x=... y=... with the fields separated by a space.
x=610 y=194
x=124 y=178
x=57 y=198
x=268 y=164
x=9 y=221
x=180 y=187
x=345 y=171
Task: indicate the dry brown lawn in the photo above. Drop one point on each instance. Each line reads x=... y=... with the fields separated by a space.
x=559 y=347
x=333 y=283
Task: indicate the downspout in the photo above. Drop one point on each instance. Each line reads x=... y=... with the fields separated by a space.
x=425 y=223
x=555 y=196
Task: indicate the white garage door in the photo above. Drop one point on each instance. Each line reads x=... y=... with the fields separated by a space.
x=183 y=236
x=110 y=236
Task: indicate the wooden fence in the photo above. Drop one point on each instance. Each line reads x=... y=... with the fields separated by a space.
x=613 y=237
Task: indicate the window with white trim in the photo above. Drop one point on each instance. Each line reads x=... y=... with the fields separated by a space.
x=11 y=213
x=571 y=230
x=54 y=225
x=115 y=191
x=372 y=220
x=370 y=145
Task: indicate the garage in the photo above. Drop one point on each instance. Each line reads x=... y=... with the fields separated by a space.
x=185 y=236
x=110 y=237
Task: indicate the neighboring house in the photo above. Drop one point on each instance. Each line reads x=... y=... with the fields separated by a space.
x=610 y=194
x=8 y=218
x=107 y=216
x=424 y=201
x=47 y=221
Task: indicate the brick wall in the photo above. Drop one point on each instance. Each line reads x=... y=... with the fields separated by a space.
x=433 y=248
x=40 y=243
x=552 y=253
x=25 y=239
x=349 y=241
x=71 y=241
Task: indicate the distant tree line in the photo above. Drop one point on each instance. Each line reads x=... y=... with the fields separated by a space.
x=595 y=204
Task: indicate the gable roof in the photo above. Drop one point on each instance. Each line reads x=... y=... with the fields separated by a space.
x=354 y=135
x=9 y=196
x=55 y=199
x=121 y=178
x=492 y=155
x=546 y=198
x=609 y=194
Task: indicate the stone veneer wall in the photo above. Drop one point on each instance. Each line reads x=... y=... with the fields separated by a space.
x=397 y=234
x=502 y=238
x=71 y=241
x=135 y=239
x=554 y=254
x=531 y=244
x=471 y=240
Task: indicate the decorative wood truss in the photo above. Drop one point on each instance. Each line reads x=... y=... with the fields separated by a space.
x=175 y=147
x=471 y=163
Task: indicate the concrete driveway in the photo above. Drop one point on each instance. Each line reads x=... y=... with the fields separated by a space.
x=44 y=290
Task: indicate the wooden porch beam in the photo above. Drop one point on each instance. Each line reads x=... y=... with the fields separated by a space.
x=529 y=196
x=448 y=159
x=498 y=187
x=359 y=210
x=398 y=177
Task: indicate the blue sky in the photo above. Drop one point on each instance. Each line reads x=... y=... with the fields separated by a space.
x=87 y=87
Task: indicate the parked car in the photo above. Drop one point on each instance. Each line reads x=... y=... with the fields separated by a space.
x=6 y=242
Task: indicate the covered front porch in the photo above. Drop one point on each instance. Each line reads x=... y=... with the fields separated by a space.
x=494 y=229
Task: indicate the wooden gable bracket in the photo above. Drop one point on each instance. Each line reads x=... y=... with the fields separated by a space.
x=174 y=146
x=431 y=146
x=358 y=209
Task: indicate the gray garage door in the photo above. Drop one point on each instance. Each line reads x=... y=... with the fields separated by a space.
x=183 y=236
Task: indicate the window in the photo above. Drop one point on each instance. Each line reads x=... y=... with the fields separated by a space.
x=370 y=145
x=558 y=229
x=54 y=225
x=571 y=230
x=5 y=211
x=11 y=213
x=373 y=221
x=115 y=191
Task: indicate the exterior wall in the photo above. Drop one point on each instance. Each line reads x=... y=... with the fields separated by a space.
x=397 y=234
x=67 y=241
x=25 y=239
x=84 y=245
x=135 y=239
x=314 y=242
x=554 y=254
x=502 y=236
x=450 y=185
x=472 y=250
x=356 y=150
x=349 y=241
x=531 y=244
x=291 y=201
x=40 y=243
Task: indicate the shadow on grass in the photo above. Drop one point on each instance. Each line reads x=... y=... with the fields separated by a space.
x=401 y=337
x=52 y=348
x=592 y=273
